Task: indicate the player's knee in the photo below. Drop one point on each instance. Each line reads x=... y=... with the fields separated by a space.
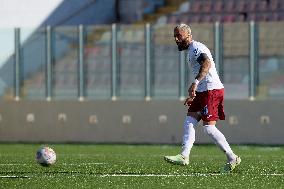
x=190 y=120
x=208 y=129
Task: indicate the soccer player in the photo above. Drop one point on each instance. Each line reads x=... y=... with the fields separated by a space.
x=205 y=100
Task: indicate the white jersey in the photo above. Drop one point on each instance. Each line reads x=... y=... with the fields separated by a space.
x=211 y=80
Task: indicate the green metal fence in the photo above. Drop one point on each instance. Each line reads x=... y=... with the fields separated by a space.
x=137 y=62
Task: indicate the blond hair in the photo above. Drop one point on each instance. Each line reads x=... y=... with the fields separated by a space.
x=184 y=27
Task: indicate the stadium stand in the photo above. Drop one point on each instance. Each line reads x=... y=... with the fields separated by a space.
x=227 y=11
x=131 y=11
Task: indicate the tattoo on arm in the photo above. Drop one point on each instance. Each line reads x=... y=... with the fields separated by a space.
x=205 y=63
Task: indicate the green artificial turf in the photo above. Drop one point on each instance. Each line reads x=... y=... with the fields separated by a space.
x=138 y=166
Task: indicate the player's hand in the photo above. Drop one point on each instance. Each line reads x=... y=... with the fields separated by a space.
x=188 y=101
x=192 y=90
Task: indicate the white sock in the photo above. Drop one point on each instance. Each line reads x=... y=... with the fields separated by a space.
x=188 y=135
x=220 y=140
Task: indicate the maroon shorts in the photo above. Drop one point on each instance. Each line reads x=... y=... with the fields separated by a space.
x=210 y=104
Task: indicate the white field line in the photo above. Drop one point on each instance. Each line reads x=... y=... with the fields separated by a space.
x=177 y=175
x=159 y=175
x=272 y=174
x=146 y=175
x=12 y=164
x=74 y=164
x=162 y=155
x=78 y=164
x=13 y=176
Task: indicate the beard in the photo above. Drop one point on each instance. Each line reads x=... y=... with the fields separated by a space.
x=182 y=45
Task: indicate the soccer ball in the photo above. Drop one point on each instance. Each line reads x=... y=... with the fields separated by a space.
x=45 y=156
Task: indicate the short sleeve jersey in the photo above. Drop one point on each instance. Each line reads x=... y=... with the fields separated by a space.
x=211 y=80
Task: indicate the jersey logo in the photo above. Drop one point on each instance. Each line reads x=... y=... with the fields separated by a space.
x=209 y=116
x=195 y=51
x=204 y=110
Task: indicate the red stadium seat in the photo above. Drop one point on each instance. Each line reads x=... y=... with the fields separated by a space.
x=230 y=6
x=281 y=6
x=207 y=18
x=229 y=18
x=195 y=7
x=262 y=6
x=231 y=11
x=207 y=6
x=273 y=5
x=240 y=6
x=218 y=6
x=251 y=6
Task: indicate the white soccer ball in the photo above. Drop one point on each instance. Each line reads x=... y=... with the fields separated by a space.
x=46 y=156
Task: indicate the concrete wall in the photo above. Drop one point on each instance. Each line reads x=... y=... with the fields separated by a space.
x=157 y=121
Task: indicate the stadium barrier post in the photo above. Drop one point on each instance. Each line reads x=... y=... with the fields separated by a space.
x=218 y=48
x=17 y=71
x=114 y=63
x=148 y=62
x=252 y=61
x=182 y=75
x=48 y=63
x=81 y=87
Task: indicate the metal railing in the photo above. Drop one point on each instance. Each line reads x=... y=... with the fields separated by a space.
x=152 y=50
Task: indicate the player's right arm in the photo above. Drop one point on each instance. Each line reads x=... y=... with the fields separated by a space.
x=205 y=65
